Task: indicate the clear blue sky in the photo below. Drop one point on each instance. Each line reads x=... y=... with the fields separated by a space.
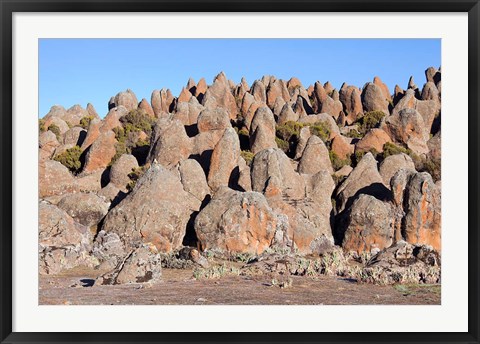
x=81 y=71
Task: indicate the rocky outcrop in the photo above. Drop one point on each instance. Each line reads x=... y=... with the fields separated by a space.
x=393 y=163
x=156 y=211
x=128 y=99
x=374 y=139
x=262 y=130
x=236 y=222
x=315 y=157
x=370 y=225
x=101 y=152
x=224 y=162
x=85 y=208
x=120 y=170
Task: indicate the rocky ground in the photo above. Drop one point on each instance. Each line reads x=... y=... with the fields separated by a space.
x=304 y=184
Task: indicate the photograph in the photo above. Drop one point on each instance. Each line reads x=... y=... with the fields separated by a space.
x=239 y=171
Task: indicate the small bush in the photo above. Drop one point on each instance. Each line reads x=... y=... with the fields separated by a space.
x=137 y=120
x=85 y=121
x=390 y=148
x=321 y=129
x=338 y=163
x=243 y=132
x=41 y=125
x=289 y=130
x=282 y=144
x=70 y=159
x=359 y=154
x=56 y=130
x=354 y=134
x=371 y=120
x=247 y=156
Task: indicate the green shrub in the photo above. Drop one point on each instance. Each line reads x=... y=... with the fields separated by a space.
x=338 y=163
x=371 y=120
x=289 y=130
x=244 y=132
x=247 y=156
x=85 y=121
x=282 y=144
x=70 y=158
x=354 y=134
x=320 y=129
x=41 y=125
x=56 y=130
x=137 y=120
x=360 y=153
x=390 y=148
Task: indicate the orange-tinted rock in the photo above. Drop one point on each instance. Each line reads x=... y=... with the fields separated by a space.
x=341 y=147
x=201 y=89
x=219 y=95
x=422 y=222
x=47 y=143
x=373 y=98
x=277 y=89
x=258 y=92
x=391 y=164
x=170 y=143
x=85 y=208
x=213 y=119
x=373 y=139
x=93 y=133
x=101 y=152
x=112 y=119
x=145 y=106
x=236 y=222
x=386 y=93
x=184 y=96
x=161 y=101
x=193 y=179
x=54 y=179
x=352 y=103
x=287 y=115
x=187 y=112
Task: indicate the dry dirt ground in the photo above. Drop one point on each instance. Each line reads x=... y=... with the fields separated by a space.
x=178 y=287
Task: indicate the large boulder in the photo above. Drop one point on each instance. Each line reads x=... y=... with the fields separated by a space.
x=120 y=170
x=156 y=211
x=161 y=101
x=171 y=143
x=272 y=164
x=315 y=157
x=213 y=119
x=374 y=139
x=342 y=147
x=303 y=137
x=373 y=98
x=422 y=206
x=47 y=143
x=277 y=89
x=364 y=179
x=287 y=114
x=407 y=127
x=63 y=243
x=393 y=163
x=236 y=222
x=370 y=225
x=128 y=99
x=224 y=162
x=193 y=179
x=85 y=208
x=141 y=265
x=219 y=95
x=74 y=136
x=379 y=83
x=352 y=103
x=146 y=107
x=101 y=152
x=187 y=112
x=258 y=91
x=262 y=130
x=54 y=179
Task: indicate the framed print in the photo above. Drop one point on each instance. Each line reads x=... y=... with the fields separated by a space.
x=239 y=171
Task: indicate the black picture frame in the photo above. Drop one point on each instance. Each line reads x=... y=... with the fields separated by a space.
x=8 y=7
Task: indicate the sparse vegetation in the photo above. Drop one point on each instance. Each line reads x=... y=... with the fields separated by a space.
x=320 y=129
x=354 y=134
x=137 y=120
x=85 y=121
x=70 y=159
x=56 y=130
x=338 y=163
x=41 y=125
x=247 y=156
x=135 y=176
x=282 y=144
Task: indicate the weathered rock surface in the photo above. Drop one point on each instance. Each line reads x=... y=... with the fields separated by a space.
x=156 y=211
x=87 y=209
x=315 y=157
x=128 y=99
x=120 y=170
x=140 y=265
x=236 y=222
x=364 y=179
x=352 y=103
x=170 y=143
x=370 y=225
x=161 y=101
x=224 y=162
x=262 y=130
x=101 y=152
x=393 y=163
x=193 y=179
x=374 y=139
